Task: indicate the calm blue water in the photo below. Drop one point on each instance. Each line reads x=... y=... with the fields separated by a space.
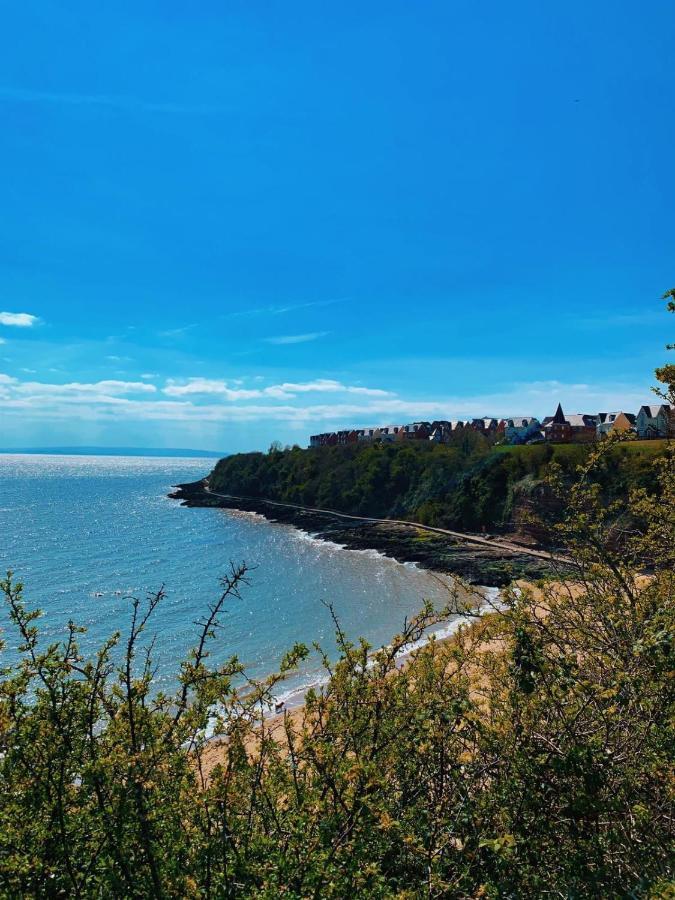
x=75 y=527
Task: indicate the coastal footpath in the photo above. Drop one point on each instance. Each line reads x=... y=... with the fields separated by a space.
x=475 y=558
x=482 y=513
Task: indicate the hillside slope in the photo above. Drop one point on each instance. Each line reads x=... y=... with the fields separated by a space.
x=468 y=486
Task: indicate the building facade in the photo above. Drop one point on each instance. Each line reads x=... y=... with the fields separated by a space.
x=520 y=429
x=557 y=429
x=655 y=422
x=615 y=422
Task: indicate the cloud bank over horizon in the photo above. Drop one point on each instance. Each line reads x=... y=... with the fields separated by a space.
x=320 y=404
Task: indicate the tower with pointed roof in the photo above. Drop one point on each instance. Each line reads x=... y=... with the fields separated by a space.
x=559 y=417
x=558 y=429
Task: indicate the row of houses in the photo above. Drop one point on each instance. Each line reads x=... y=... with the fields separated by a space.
x=650 y=422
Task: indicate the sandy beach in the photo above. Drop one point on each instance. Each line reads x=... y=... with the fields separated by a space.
x=275 y=722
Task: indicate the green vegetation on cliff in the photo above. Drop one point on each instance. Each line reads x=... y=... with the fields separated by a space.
x=467 y=485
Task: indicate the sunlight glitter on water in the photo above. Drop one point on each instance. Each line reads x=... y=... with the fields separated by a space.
x=84 y=533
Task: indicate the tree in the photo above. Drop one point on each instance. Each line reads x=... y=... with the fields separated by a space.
x=666 y=374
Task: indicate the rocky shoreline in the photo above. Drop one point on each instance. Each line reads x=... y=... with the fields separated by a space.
x=476 y=564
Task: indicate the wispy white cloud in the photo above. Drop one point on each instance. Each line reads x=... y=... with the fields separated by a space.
x=328 y=386
x=177 y=332
x=18 y=320
x=285 y=391
x=209 y=386
x=296 y=338
x=261 y=312
x=77 y=389
x=281 y=309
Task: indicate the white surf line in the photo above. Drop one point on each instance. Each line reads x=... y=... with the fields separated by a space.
x=294 y=696
x=475 y=539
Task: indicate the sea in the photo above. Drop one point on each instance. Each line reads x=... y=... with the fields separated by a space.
x=85 y=534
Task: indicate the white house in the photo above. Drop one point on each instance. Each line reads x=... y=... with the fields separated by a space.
x=654 y=421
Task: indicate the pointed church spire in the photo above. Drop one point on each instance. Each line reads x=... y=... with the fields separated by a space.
x=559 y=417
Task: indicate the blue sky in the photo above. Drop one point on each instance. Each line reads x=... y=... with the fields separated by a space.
x=225 y=224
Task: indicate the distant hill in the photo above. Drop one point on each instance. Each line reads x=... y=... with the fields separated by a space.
x=116 y=451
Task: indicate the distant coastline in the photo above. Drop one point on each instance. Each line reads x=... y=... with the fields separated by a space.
x=168 y=452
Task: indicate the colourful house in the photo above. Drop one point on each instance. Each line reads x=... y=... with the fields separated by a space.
x=617 y=422
x=655 y=421
x=578 y=428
